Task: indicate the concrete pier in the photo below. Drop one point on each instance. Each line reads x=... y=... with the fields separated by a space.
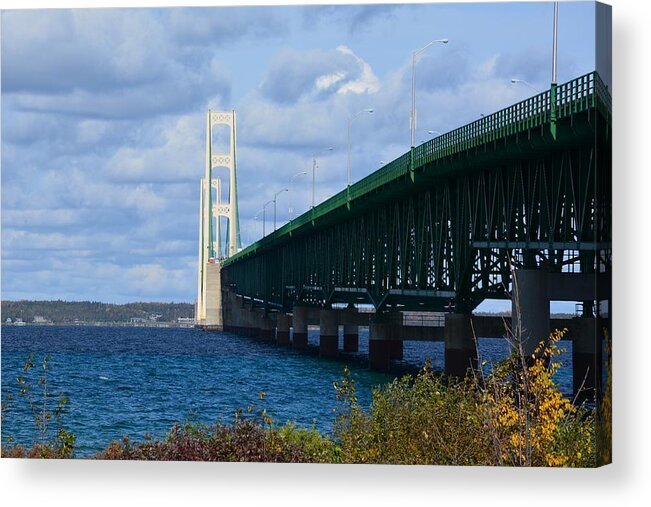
x=396 y=349
x=460 y=352
x=267 y=329
x=282 y=329
x=299 y=328
x=351 y=330
x=530 y=308
x=328 y=333
x=213 y=304
x=380 y=336
x=587 y=336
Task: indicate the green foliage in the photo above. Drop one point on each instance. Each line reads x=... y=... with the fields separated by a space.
x=516 y=416
x=66 y=312
x=51 y=439
x=245 y=439
x=419 y=420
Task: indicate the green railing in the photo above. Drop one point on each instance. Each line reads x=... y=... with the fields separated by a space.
x=575 y=96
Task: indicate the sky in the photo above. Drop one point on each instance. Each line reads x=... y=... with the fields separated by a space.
x=103 y=120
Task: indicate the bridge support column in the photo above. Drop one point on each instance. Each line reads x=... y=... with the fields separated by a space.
x=214 y=317
x=328 y=333
x=351 y=331
x=299 y=328
x=460 y=353
x=587 y=356
x=267 y=329
x=282 y=330
x=252 y=324
x=396 y=349
x=530 y=308
x=380 y=336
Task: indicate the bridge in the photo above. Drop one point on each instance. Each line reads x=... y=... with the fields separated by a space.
x=515 y=205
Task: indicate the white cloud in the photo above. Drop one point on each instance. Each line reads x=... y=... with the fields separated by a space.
x=367 y=82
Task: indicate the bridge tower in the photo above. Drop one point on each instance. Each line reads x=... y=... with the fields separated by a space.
x=209 y=308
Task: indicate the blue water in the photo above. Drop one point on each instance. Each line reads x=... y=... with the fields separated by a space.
x=134 y=381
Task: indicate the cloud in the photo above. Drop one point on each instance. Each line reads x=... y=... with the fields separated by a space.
x=103 y=125
x=99 y=63
x=59 y=51
x=355 y=18
x=442 y=69
x=299 y=75
x=225 y=26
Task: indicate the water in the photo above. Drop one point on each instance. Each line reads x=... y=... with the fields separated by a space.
x=134 y=381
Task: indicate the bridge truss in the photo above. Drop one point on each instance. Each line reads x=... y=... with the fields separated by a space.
x=442 y=226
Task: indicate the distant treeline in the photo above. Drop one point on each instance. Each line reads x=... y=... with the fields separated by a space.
x=92 y=311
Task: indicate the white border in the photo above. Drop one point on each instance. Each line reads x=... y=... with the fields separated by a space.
x=626 y=482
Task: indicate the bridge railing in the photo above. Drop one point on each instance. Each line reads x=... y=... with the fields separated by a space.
x=572 y=97
x=575 y=96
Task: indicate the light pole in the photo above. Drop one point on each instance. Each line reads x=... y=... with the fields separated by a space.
x=413 y=86
x=255 y=219
x=555 y=43
x=514 y=80
x=314 y=172
x=264 y=217
x=350 y=121
x=274 y=201
x=291 y=208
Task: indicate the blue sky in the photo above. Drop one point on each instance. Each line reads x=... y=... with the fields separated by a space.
x=103 y=118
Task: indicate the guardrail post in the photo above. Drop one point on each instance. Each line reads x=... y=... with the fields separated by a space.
x=411 y=164
x=553 y=112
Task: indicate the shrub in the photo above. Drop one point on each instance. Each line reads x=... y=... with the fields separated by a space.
x=49 y=441
x=247 y=438
x=515 y=416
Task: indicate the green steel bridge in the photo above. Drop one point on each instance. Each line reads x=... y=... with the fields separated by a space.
x=444 y=226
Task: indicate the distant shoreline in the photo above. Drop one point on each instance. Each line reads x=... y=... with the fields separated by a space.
x=185 y=325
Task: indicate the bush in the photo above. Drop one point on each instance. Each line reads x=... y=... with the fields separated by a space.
x=49 y=441
x=247 y=438
x=515 y=416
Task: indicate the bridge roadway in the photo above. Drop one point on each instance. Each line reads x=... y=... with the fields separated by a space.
x=517 y=203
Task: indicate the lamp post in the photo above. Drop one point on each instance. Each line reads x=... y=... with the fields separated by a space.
x=264 y=217
x=350 y=122
x=514 y=80
x=555 y=43
x=291 y=180
x=255 y=219
x=413 y=85
x=314 y=173
x=274 y=201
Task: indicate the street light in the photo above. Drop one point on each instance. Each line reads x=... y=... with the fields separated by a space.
x=264 y=217
x=431 y=133
x=314 y=172
x=413 y=86
x=291 y=208
x=350 y=121
x=255 y=219
x=274 y=201
x=514 y=80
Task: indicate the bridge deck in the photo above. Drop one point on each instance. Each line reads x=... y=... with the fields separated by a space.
x=443 y=225
x=576 y=96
